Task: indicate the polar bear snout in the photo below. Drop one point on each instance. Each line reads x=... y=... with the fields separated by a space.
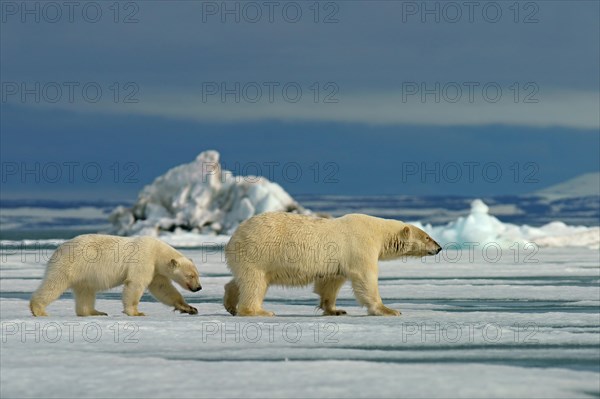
x=433 y=248
x=435 y=251
x=192 y=283
x=195 y=289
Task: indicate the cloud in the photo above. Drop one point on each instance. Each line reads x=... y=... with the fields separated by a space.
x=371 y=55
x=560 y=108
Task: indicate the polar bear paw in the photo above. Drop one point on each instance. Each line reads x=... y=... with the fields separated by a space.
x=133 y=312
x=334 y=312
x=382 y=310
x=186 y=309
x=97 y=313
x=259 y=312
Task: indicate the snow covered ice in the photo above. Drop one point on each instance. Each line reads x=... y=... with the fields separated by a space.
x=526 y=327
x=202 y=198
x=481 y=228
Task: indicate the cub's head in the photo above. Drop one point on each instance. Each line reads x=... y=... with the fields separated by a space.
x=183 y=271
x=409 y=241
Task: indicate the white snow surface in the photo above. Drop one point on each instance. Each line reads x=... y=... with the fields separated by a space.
x=470 y=328
x=202 y=198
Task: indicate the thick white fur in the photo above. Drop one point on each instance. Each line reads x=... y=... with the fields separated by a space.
x=94 y=262
x=287 y=249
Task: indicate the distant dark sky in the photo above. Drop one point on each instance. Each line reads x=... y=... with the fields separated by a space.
x=358 y=97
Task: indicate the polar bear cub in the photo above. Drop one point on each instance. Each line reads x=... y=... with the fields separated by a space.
x=279 y=248
x=95 y=262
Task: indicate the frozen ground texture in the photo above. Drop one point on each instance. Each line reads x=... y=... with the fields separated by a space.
x=202 y=198
x=525 y=325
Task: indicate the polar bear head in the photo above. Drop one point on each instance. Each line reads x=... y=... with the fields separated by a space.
x=418 y=243
x=183 y=271
x=409 y=240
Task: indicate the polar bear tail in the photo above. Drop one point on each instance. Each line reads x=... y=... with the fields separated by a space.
x=232 y=296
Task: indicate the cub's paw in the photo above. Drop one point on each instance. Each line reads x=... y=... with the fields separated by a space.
x=40 y=314
x=187 y=309
x=37 y=310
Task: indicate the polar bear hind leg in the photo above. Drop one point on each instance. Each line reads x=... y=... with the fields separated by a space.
x=54 y=284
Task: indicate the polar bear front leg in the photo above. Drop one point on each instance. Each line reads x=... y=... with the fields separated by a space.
x=366 y=290
x=231 y=297
x=132 y=292
x=253 y=288
x=328 y=288
x=163 y=290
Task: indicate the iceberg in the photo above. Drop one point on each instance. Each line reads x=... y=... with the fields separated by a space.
x=200 y=197
x=482 y=228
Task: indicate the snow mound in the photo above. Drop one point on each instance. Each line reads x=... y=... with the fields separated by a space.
x=480 y=227
x=200 y=197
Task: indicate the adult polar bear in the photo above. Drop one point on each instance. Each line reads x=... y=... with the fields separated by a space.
x=279 y=248
x=95 y=262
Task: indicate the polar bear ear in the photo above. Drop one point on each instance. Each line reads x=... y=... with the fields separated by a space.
x=173 y=263
x=406 y=231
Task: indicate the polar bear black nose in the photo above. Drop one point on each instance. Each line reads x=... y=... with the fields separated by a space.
x=197 y=289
